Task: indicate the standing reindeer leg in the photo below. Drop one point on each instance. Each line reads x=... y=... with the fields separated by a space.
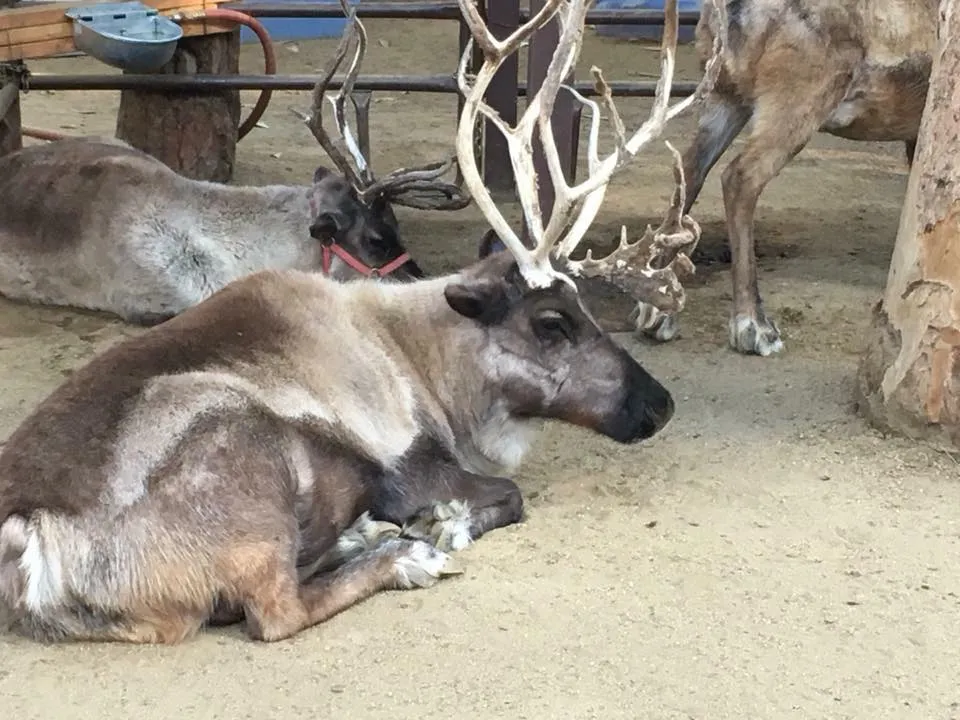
x=781 y=129
x=720 y=120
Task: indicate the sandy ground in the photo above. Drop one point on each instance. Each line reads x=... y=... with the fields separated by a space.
x=767 y=556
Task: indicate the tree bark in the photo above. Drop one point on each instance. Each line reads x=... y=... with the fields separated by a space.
x=909 y=376
x=193 y=133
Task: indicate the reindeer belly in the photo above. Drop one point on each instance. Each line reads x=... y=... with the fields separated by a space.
x=52 y=278
x=882 y=102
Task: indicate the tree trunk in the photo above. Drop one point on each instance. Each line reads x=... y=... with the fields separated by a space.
x=909 y=376
x=10 y=137
x=193 y=133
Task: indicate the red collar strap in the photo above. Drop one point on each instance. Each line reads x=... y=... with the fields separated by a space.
x=331 y=249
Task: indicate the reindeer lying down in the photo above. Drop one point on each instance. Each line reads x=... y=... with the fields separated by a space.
x=97 y=224
x=292 y=444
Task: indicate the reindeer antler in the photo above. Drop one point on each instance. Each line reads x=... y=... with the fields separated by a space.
x=418 y=187
x=575 y=207
x=651 y=269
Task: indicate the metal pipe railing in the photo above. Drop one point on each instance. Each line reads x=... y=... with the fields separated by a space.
x=438 y=11
x=444 y=84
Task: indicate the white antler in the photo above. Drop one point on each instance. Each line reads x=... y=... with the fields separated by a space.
x=419 y=187
x=575 y=207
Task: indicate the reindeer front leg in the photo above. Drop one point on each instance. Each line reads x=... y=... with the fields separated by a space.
x=485 y=504
x=786 y=116
x=432 y=498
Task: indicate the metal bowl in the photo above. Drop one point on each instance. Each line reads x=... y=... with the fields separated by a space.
x=129 y=35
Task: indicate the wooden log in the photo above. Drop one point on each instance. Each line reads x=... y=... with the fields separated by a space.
x=193 y=133
x=10 y=136
x=908 y=381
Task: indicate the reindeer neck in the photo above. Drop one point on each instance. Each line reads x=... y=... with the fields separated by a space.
x=419 y=321
x=264 y=226
x=445 y=350
x=273 y=203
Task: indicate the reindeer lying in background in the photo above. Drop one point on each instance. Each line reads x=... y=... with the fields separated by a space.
x=857 y=69
x=98 y=224
x=204 y=471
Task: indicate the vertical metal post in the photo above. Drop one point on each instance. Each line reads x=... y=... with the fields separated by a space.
x=503 y=17
x=10 y=135
x=474 y=66
x=565 y=120
x=361 y=106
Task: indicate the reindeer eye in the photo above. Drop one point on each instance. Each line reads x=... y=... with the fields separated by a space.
x=552 y=325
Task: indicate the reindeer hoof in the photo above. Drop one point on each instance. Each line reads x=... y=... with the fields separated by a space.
x=755 y=336
x=445 y=525
x=363 y=535
x=418 y=564
x=655 y=323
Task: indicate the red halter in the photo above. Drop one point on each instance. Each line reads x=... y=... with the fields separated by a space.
x=331 y=248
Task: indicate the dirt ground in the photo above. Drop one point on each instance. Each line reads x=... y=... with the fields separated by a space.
x=767 y=556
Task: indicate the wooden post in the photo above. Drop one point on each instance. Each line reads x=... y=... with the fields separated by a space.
x=195 y=133
x=565 y=121
x=10 y=137
x=909 y=376
x=503 y=18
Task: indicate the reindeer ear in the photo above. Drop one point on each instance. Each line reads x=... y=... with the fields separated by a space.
x=320 y=173
x=485 y=301
x=327 y=225
x=490 y=243
x=378 y=203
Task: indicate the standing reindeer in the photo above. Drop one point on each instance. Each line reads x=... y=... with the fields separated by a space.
x=857 y=69
x=97 y=224
x=293 y=445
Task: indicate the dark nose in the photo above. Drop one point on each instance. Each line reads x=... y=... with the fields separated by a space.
x=658 y=412
x=647 y=405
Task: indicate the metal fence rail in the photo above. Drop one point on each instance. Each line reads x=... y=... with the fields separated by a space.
x=502 y=94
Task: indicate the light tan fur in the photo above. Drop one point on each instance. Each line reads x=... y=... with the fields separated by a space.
x=857 y=69
x=291 y=444
x=244 y=422
x=95 y=223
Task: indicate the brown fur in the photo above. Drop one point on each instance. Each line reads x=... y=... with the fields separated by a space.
x=292 y=445
x=855 y=68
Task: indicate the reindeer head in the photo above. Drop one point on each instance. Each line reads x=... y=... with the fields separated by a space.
x=539 y=344
x=357 y=222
